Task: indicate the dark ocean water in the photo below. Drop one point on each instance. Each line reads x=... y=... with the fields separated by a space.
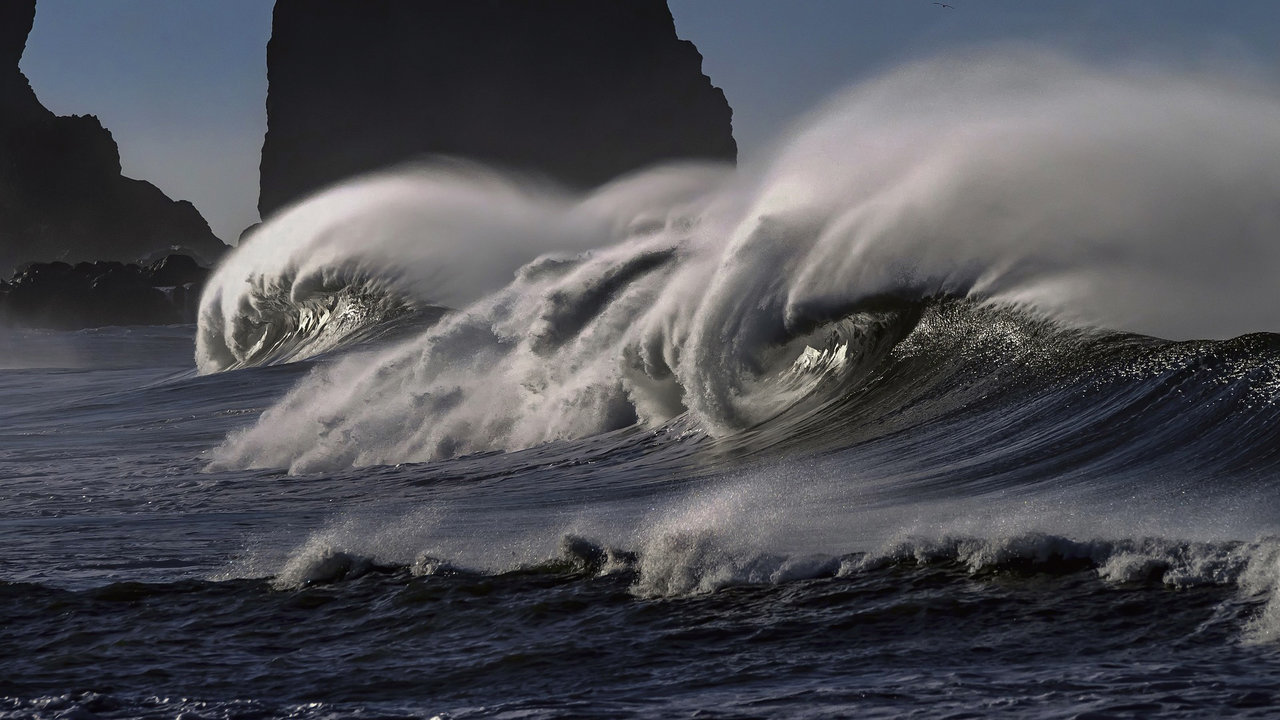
x=998 y=536
x=849 y=432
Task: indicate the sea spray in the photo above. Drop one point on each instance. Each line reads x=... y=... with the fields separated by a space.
x=438 y=233
x=1128 y=200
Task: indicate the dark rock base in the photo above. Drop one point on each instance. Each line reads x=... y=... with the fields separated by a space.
x=69 y=297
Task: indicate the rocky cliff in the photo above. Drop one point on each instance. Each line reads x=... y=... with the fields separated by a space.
x=62 y=196
x=577 y=90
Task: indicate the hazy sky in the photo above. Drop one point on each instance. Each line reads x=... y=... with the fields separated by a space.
x=181 y=84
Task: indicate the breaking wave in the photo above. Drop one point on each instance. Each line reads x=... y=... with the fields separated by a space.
x=679 y=563
x=961 y=229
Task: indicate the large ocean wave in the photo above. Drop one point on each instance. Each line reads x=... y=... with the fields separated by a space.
x=975 y=227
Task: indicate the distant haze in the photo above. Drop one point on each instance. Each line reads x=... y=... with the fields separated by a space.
x=182 y=85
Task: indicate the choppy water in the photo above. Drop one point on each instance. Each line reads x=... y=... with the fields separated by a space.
x=863 y=433
x=942 y=566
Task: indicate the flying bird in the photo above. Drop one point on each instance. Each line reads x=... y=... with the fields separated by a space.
x=953 y=7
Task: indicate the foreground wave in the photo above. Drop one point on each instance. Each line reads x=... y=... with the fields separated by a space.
x=693 y=562
x=918 y=627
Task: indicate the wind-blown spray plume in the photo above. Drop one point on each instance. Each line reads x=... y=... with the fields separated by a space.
x=331 y=269
x=1090 y=198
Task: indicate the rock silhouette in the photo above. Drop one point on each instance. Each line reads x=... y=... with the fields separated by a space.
x=580 y=91
x=62 y=196
x=106 y=292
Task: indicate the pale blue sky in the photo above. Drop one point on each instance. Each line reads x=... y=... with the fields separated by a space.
x=181 y=83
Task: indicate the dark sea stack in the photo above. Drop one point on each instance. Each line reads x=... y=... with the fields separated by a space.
x=580 y=91
x=62 y=196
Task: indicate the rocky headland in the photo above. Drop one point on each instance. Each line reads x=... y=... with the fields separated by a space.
x=576 y=91
x=63 y=199
x=579 y=91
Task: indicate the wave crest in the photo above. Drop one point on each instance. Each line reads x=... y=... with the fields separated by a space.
x=1025 y=182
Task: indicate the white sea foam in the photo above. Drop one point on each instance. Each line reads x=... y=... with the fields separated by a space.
x=762 y=531
x=1127 y=199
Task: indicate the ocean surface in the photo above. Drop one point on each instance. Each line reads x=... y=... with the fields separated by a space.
x=974 y=418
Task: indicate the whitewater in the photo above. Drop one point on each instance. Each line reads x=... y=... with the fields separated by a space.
x=963 y=401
